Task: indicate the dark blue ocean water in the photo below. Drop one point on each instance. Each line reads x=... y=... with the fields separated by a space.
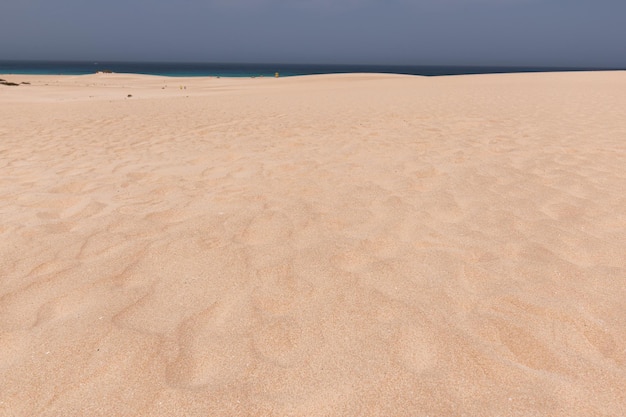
x=249 y=70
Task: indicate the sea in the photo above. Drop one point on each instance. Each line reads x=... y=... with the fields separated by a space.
x=181 y=69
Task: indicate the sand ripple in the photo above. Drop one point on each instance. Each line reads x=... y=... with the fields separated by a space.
x=336 y=245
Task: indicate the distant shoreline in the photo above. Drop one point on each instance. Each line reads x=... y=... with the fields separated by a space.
x=259 y=70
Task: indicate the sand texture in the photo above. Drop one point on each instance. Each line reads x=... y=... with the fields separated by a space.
x=338 y=245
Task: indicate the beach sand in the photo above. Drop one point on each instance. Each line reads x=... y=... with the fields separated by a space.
x=335 y=245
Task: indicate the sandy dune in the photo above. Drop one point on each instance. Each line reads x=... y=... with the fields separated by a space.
x=343 y=245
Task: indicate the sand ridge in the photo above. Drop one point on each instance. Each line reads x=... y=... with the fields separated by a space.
x=330 y=245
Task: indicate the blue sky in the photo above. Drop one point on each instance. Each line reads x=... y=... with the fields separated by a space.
x=420 y=32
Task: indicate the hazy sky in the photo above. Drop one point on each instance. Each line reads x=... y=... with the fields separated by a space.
x=421 y=32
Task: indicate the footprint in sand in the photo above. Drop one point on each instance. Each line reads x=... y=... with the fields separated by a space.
x=212 y=350
x=602 y=341
x=526 y=348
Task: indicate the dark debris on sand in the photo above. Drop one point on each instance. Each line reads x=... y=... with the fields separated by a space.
x=4 y=82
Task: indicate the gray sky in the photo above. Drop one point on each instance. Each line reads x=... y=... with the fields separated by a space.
x=420 y=32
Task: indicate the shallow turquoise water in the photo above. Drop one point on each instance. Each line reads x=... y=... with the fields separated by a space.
x=247 y=70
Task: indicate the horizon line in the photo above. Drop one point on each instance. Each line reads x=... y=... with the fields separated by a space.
x=528 y=66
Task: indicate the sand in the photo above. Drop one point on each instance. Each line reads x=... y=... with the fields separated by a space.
x=336 y=245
